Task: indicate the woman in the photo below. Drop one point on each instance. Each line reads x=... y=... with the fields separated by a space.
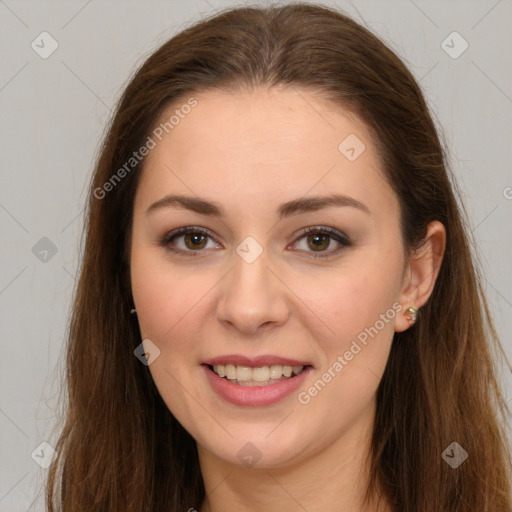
x=277 y=307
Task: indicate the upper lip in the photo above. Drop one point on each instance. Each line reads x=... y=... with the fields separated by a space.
x=255 y=362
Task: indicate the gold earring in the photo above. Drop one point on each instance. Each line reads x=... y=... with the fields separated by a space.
x=411 y=313
x=133 y=311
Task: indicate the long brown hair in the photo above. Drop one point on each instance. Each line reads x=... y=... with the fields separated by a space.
x=120 y=447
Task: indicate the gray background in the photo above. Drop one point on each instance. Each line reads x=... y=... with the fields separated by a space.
x=54 y=111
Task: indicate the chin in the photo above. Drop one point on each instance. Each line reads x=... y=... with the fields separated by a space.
x=251 y=448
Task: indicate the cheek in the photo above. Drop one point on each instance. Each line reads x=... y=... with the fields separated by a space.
x=358 y=308
x=166 y=301
x=347 y=301
x=169 y=308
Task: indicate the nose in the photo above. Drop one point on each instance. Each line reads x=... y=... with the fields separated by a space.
x=253 y=297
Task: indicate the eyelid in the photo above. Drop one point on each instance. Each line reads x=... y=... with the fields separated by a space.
x=333 y=233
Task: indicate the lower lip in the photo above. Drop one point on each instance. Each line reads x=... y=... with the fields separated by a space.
x=255 y=395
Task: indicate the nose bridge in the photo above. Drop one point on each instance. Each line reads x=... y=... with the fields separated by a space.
x=252 y=295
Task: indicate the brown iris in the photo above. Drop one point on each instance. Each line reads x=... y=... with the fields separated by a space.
x=194 y=238
x=316 y=238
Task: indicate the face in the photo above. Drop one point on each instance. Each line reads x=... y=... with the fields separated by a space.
x=255 y=275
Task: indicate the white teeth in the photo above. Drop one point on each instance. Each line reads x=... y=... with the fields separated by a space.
x=261 y=374
x=243 y=373
x=276 y=371
x=230 y=371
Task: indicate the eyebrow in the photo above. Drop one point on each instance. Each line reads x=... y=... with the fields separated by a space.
x=296 y=206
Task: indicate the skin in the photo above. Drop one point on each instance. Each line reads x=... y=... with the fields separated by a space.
x=251 y=151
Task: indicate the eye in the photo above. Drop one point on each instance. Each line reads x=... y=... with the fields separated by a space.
x=320 y=238
x=194 y=240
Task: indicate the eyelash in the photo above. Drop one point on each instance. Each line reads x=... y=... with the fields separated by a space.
x=332 y=233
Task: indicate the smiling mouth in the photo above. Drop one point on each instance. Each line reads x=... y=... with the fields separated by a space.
x=256 y=376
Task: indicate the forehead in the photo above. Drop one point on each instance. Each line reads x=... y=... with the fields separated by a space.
x=265 y=146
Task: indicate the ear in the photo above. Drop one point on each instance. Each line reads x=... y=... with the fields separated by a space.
x=421 y=273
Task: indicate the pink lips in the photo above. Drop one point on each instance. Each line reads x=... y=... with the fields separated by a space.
x=254 y=395
x=255 y=362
